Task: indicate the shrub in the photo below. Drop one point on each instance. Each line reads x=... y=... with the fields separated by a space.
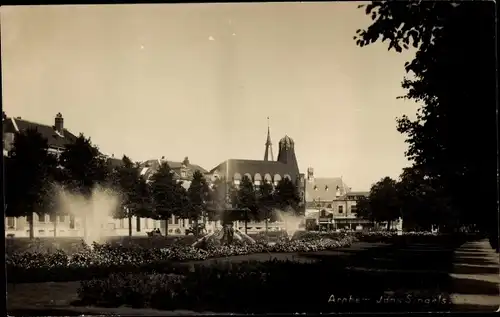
x=258 y=287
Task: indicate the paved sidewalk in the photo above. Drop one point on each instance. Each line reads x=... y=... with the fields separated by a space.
x=476 y=279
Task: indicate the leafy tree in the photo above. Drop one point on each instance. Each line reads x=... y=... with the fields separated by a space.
x=217 y=199
x=265 y=201
x=197 y=194
x=384 y=203
x=420 y=202
x=167 y=194
x=142 y=204
x=29 y=173
x=84 y=165
x=84 y=168
x=287 y=195
x=363 y=209
x=134 y=192
x=247 y=200
x=454 y=69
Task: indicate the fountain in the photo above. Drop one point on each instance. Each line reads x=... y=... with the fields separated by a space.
x=93 y=212
x=291 y=221
x=219 y=232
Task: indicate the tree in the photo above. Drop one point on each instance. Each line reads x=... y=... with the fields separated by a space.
x=363 y=209
x=84 y=168
x=421 y=204
x=133 y=189
x=28 y=174
x=167 y=194
x=287 y=195
x=247 y=200
x=84 y=165
x=197 y=195
x=217 y=199
x=265 y=201
x=384 y=204
x=454 y=69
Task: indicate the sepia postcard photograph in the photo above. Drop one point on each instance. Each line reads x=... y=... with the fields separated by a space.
x=250 y=158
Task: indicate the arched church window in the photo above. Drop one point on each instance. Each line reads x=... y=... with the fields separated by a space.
x=257 y=179
x=268 y=178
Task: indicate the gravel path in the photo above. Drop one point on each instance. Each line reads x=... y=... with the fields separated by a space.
x=476 y=279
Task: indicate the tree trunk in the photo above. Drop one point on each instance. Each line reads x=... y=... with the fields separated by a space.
x=55 y=227
x=246 y=225
x=30 y=222
x=129 y=224
x=195 y=225
x=388 y=225
x=84 y=227
x=166 y=225
x=266 y=227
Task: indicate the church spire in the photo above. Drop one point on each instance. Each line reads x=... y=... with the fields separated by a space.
x=269 y=145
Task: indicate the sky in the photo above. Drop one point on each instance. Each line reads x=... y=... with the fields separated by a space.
x=200 y=80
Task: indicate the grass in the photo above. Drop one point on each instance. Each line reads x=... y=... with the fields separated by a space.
x=422 y=270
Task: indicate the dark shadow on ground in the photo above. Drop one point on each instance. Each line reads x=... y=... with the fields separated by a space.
x=465 y=269
x=470 y=254
x=393 y=258
x=476 y=287
x=473 y=260
x=471 y=250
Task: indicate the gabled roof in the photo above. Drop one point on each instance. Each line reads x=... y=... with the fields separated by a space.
x=55 y=140
x=114 y=162
x=325 y=189
x=253 y=167
x=149 y=167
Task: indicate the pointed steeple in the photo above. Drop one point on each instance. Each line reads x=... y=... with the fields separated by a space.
x=269 y=145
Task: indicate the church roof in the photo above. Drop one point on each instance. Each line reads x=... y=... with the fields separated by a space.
x=253 y=167
x=287 y=140
x=55 y=140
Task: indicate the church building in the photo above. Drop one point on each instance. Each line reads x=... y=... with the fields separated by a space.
x=266 y=170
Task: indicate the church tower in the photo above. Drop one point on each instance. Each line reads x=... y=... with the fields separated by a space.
x=269 y=145
x=286 y=153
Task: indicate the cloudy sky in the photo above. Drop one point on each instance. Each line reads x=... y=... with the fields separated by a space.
x=199 y=80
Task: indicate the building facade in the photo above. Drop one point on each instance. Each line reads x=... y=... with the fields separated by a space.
x=57 y=136
x=183 y=172
x=49 y=225
x=332 y=203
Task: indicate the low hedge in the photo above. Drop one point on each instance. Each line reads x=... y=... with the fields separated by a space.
x=269 y=287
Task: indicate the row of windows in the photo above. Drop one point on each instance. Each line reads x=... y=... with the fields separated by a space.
x=340 y=210
x=258 y=178
x=122 y=223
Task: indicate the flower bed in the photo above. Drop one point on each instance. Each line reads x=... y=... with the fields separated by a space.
x=100 y=260
x=263 y=287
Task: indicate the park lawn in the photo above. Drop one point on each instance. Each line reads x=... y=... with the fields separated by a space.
x=421 y=270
